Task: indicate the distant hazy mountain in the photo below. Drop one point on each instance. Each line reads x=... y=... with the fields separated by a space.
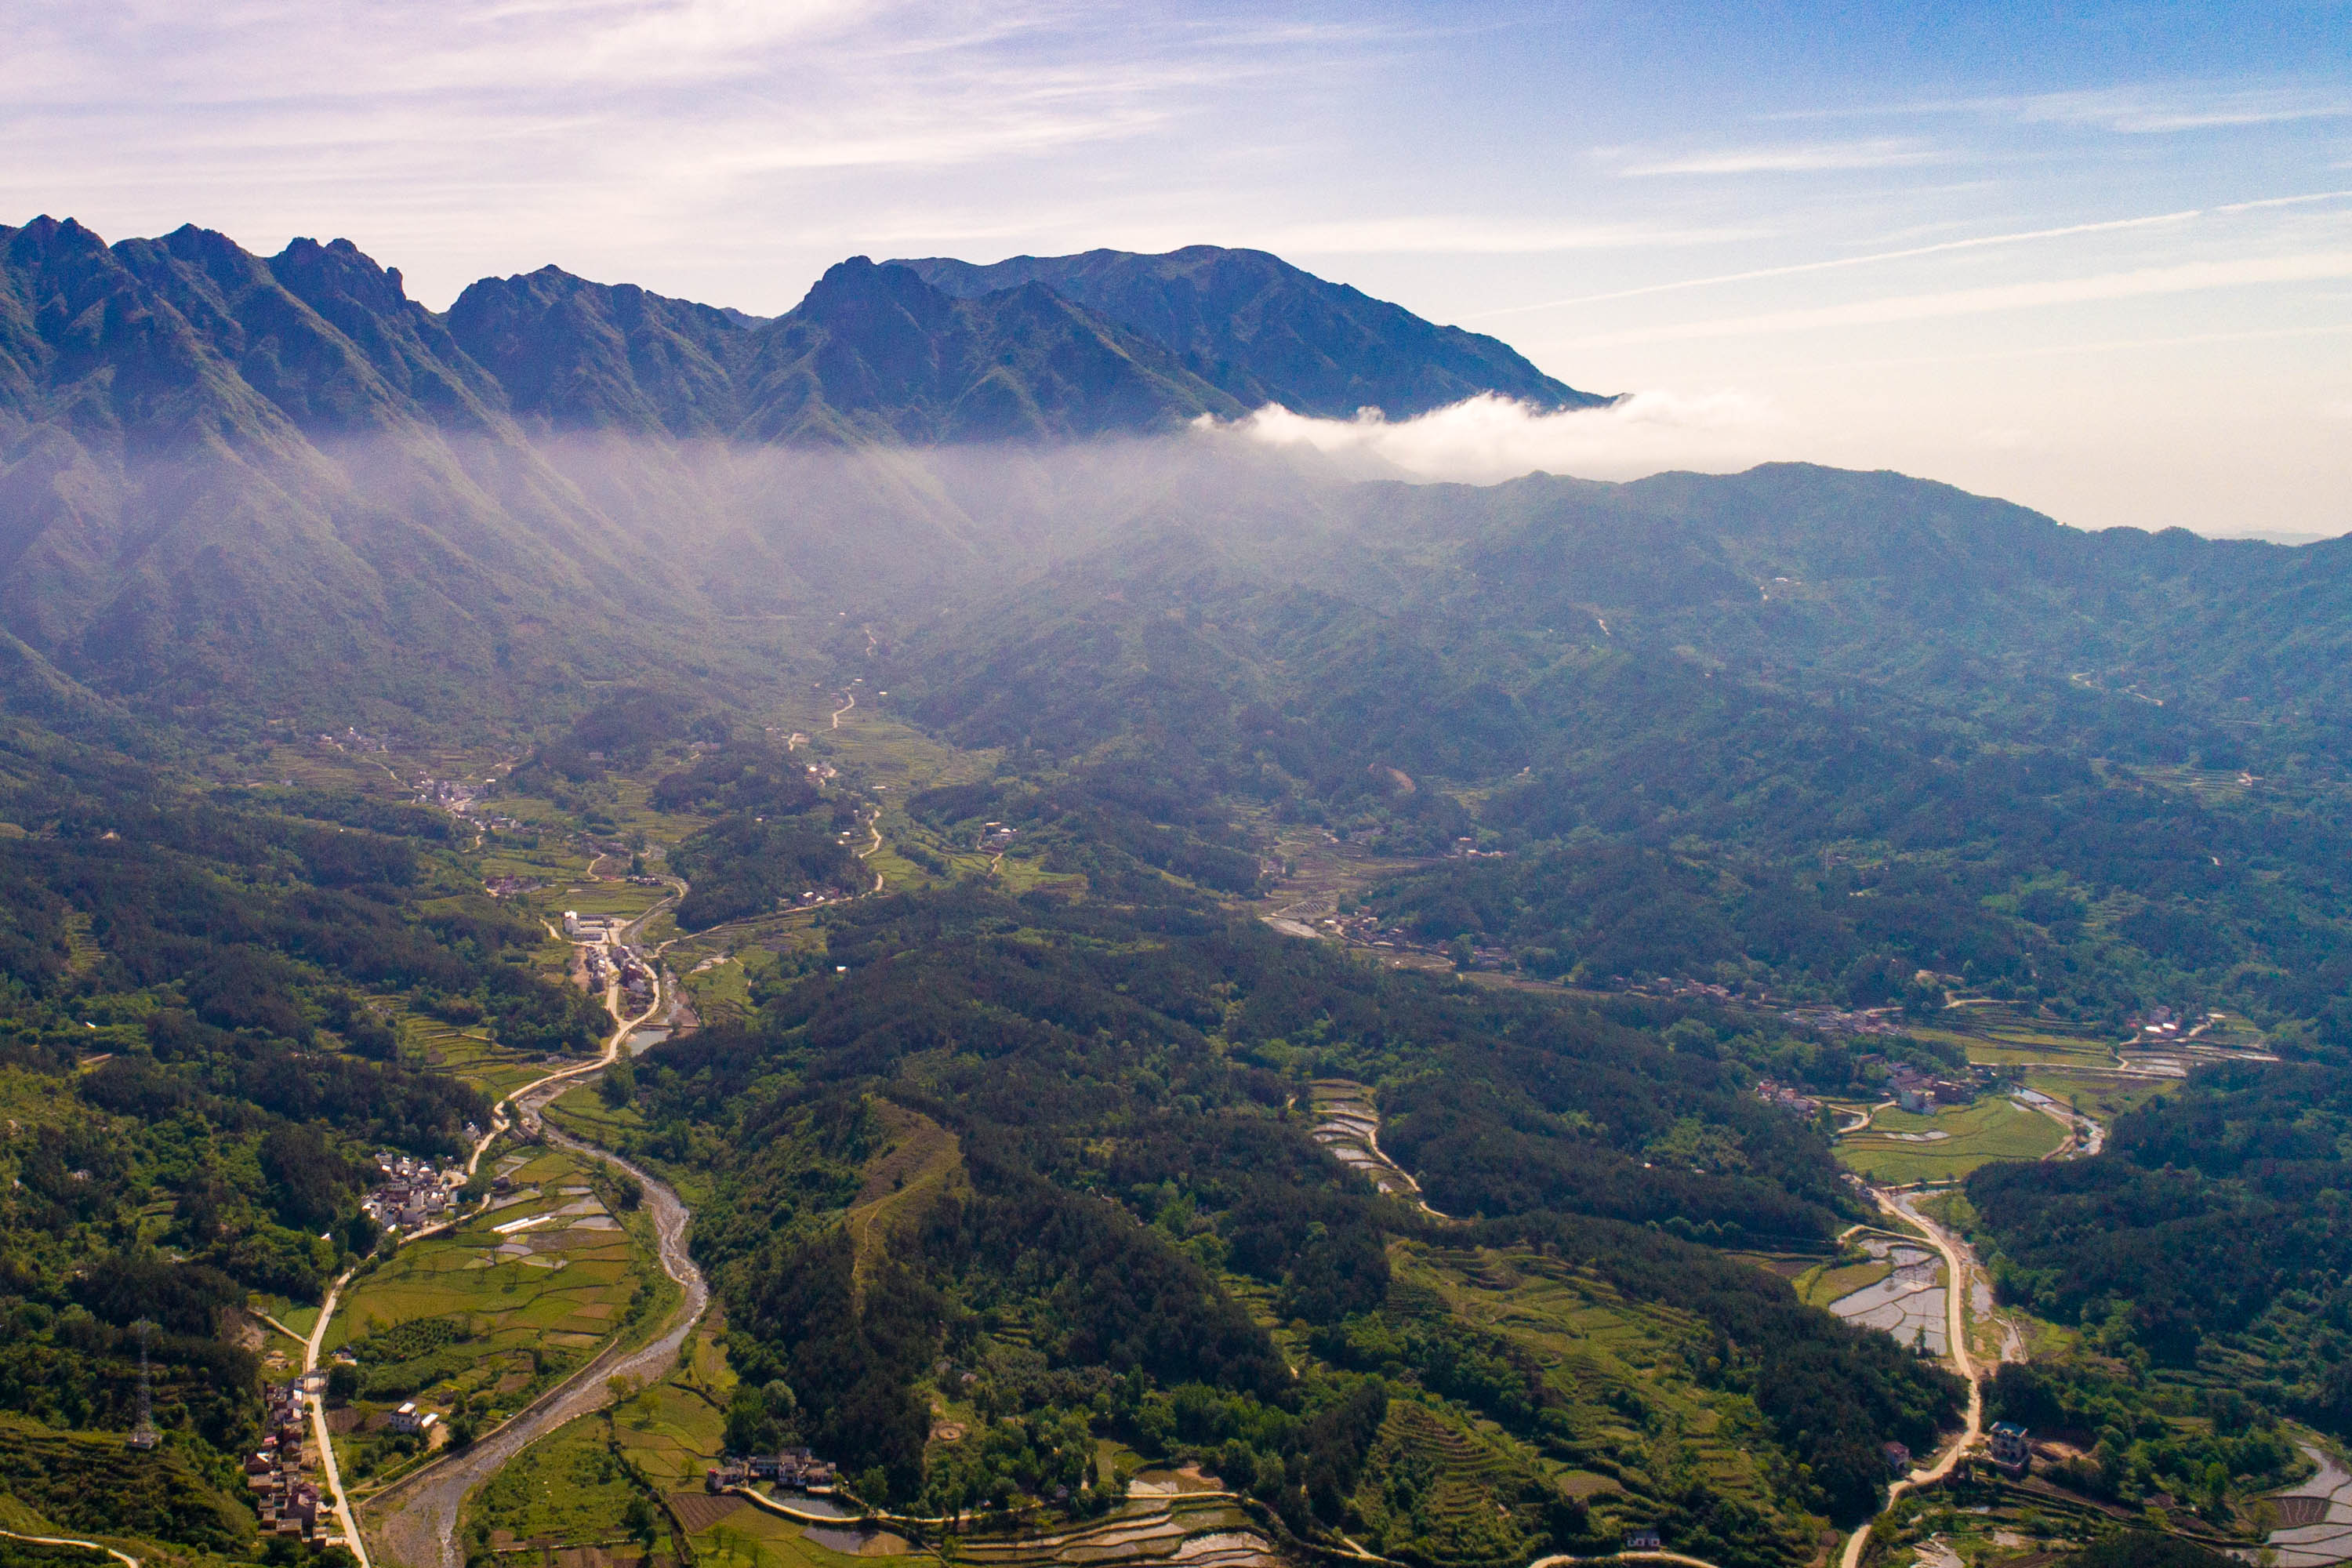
x=225 y=476
x=577 y=355
x=227 y=480
x=876 y=351
x=873 y=353
x=1265 y=332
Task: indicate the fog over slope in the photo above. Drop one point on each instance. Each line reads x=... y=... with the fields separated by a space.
x=225 y=477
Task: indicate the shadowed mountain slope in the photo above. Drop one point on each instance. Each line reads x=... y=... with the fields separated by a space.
x=1265 y=332
x=877 y=352
x=223 y=477
x=576 y=355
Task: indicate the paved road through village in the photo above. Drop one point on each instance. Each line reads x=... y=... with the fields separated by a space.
x=415 y=1523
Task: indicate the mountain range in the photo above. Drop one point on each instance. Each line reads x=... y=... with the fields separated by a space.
x=1263 y=332
x=228 y=472
x=224 y=475
x=1758 y=794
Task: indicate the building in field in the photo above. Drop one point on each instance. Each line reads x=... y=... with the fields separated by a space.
x=2010 y=1448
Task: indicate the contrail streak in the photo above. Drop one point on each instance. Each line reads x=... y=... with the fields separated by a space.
x=1950 y=245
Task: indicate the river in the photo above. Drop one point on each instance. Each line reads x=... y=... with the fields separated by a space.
x=413 y=1522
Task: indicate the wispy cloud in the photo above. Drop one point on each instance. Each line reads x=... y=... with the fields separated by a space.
x=2140 y=108
x=2157 y=111
x=2022 y=237
x=1809 y=158
x=2068 y=350
x=1470 y=235
x=1794 y=267
x=601 y=132
x=2140 y=283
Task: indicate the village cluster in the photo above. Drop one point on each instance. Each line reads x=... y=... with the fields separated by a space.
x=1366 y=931
x=607 y=961
x=1909 y=1089
x=277 y=1471
x=794 y=1467
x=2164 y=1024
x=411 y=1193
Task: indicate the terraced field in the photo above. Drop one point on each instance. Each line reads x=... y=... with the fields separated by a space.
x=1430 y=1486
x=568 y=1490
x=1638 y=1424
x=469 y=1054
x=919 y=1162
x=581 y=1112
x=1195 y=1532
x=1819 y=1286
x=745 y=1537
x=674 y=1430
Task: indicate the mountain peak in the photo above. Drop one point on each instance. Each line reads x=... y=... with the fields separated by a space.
x=1264 y=330
x=877 y=351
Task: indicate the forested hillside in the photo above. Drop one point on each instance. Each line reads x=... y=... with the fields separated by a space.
x=1140 y=1046
x=1141 y=952
x=202 y=995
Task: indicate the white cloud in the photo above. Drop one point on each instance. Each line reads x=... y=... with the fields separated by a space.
x=2150 y=110
x=2135 y=108
x=1799 y=159
x=2066 y=231
x=1489 y=437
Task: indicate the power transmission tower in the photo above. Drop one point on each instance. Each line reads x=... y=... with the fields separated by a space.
x=143 y=1435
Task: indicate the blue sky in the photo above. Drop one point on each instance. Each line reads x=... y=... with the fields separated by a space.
x=2100 y=262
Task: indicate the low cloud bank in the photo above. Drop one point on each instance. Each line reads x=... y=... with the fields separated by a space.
x=1490 y=438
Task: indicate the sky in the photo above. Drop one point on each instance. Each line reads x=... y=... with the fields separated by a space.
x=2093 y=258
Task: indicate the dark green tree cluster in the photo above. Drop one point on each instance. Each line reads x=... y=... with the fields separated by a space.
x=1122 y=1156
x=2206 y=1235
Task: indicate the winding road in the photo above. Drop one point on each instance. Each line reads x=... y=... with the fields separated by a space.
x=414 y=1522
x=320 y=1435
x=122 y=1557
x=1956 y=1295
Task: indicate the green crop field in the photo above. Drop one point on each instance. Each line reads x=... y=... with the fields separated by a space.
x=469 y=1054
x=1819 y=1288
x=747 y=1538
x=583 y=1112
x=2100 y=1096
x=723 y=991
x=475 y=1323
x=569 y=1488
x=596 y=900
x=574 y=1487
x=1999 y=1035
x=675 y=1430
x=1900 y=1148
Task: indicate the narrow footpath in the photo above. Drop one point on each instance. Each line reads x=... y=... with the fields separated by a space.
x=122 y=1557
